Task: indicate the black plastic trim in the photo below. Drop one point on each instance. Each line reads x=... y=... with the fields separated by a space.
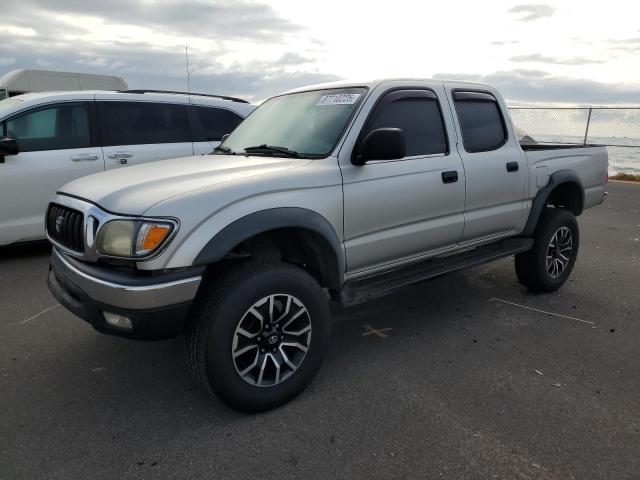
x=153 y=324
x=222 y=97
x=540 y=200
x=266 y=220
x=472 y=96
x=364 y=289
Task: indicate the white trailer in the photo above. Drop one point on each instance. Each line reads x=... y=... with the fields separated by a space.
x=22 y=81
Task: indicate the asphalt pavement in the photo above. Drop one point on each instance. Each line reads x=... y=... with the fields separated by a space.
x=465 y=376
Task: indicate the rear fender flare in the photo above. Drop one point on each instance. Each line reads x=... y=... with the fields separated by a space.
x=540 y=200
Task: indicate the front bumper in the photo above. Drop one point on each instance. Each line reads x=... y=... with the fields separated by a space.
x=157 y=306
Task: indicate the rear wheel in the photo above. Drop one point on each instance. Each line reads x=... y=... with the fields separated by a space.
x=547 y=266
x=260 y=334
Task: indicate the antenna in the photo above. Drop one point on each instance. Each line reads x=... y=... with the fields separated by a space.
x=186 y=53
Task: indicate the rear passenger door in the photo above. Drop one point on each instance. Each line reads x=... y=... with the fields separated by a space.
x=138 y=132
x=395 y=210
x=209 y=124
x=494 y=166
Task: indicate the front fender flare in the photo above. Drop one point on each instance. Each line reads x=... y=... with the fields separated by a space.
x=271 y=219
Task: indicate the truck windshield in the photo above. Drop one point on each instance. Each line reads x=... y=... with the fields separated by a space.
x=305 y=124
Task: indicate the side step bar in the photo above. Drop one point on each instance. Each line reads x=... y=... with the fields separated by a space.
x=363 y=289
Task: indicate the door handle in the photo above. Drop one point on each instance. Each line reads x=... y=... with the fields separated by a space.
x=512 y=166
x=119 y=155
x=84 y=156
x=450 y=177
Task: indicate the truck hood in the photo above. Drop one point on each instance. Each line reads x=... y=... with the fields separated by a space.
x=132 y=190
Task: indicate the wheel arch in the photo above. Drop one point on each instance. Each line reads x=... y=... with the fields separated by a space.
x=564 y=190
x=285 y=227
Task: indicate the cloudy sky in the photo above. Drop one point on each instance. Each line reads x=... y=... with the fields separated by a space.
x=548 y=51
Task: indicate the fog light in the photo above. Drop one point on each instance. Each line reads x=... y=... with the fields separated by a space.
x=118 y=321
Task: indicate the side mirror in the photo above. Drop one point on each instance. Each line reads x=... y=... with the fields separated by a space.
x=8 y=146
x=381 y=144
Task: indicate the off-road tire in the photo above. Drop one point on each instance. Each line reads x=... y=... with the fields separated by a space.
x=222 y=304
x=532 y=267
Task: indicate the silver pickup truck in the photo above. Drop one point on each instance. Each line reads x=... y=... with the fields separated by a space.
x=341 y=192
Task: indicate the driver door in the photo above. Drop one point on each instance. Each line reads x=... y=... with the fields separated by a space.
x=395 y=210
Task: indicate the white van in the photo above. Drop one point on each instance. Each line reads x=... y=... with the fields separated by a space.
x=22 y=81
x=49 y=139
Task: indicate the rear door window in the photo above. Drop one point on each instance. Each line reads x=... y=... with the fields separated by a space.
x=417 y=113
x=481 y=122
x=213 y=123
x=142 y=123
x=59 y=127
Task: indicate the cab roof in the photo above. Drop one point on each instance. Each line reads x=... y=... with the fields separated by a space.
x=371 y=84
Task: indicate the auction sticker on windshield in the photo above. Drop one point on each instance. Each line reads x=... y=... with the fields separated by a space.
x=339 y=99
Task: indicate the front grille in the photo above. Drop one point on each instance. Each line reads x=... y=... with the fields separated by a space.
x=65 y=226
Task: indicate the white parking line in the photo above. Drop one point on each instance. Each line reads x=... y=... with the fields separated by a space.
x=542 y=311
x=41 y=313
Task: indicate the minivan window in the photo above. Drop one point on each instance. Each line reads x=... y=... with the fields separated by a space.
x=481 y=123
x=60 y=127
x=141 y=123
x=215 y=123
x=420 y=119
x=309 y=123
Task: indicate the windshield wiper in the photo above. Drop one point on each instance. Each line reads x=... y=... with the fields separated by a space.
x=264 y=148
x=222 y=149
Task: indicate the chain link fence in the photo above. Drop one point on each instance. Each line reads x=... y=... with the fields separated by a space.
x=618 y=128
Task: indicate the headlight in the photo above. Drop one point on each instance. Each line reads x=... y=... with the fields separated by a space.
x=132 y=238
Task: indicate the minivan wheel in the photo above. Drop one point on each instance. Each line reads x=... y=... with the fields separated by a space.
x=549 y=263
x=260 y=333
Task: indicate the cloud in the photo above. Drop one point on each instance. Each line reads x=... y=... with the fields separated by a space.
x=146 y=66
x=147 y=47
x=540 y=86
x=291 y=58
x=532 y=11
x=624 y=45
x=4 y=61
x=205 y=19
x=537 y=58
x=505 y=42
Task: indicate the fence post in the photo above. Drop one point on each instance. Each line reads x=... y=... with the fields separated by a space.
x=586 y=132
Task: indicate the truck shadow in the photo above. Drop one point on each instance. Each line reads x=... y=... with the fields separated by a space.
x=25 y=250
x=93 y=369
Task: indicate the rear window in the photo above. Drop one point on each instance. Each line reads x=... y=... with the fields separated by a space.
x=214 y=123
x=481 y=121
x=140 y=123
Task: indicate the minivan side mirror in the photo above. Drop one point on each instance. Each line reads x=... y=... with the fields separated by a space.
x=381 y=144
x=8 y=146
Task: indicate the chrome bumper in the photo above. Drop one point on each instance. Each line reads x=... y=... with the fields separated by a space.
x=131 y=295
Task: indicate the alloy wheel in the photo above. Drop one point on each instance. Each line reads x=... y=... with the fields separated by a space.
x=559 y=252
x=271 y=340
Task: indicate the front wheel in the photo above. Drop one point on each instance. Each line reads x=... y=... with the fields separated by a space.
x=547 y=266
x=260 y=334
